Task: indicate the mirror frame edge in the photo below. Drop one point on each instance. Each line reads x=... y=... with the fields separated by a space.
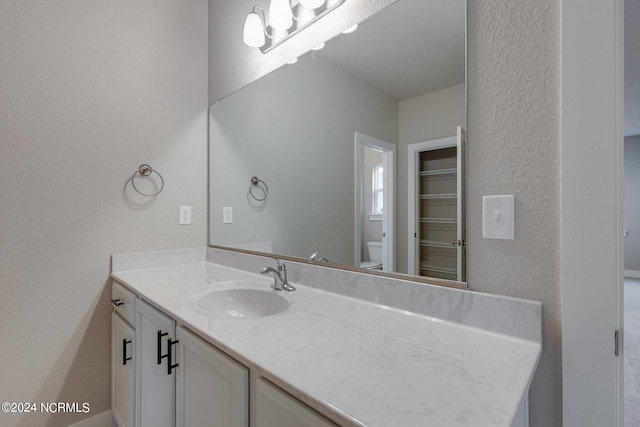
x=397 y=276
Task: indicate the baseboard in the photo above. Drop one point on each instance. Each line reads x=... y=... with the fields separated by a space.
x=103 y=419
x=632 y=274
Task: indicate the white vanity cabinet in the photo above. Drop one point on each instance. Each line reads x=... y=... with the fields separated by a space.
x=275 y=408
x=212 y=388
x=122 y=372
x=178 y=379
x=155 y=367
x=123 y=356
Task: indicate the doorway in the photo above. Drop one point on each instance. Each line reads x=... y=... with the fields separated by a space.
x=367 y=214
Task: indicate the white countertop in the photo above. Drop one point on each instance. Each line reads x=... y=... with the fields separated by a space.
x=358 y=363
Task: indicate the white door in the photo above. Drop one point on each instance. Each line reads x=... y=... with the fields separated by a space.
x=592 y=214
x=388 y=151
x=212 y=388
x=461 y=231
x=414 y=221
x=155 y=376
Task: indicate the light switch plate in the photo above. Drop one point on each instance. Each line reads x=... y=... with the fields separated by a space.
x=498 y=217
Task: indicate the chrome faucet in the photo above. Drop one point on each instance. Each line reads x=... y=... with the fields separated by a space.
x=314 y=257
x=280 y=282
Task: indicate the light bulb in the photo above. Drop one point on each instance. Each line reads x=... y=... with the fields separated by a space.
x=253 y=31
x=320 y=46
x=312 y=4
x=280 y=15
x=351 y=29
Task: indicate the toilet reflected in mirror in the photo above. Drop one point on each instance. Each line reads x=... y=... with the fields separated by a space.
x=375 y=256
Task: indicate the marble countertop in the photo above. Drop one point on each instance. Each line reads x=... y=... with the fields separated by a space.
x=358 y=363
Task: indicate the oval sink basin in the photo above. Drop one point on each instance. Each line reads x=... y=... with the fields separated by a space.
x=242 y=303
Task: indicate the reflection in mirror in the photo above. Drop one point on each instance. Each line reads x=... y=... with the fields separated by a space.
x=330 y=135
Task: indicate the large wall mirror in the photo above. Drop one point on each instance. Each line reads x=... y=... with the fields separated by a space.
x=356 y=149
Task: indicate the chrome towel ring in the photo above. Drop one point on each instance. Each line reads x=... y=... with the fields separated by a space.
x=255 y=181
x=146 y=170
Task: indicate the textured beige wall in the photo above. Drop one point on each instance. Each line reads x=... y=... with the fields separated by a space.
x=514 y=148
x=88 y=91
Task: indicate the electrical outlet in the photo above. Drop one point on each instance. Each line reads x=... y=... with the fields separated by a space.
x=227 y=215
x=185 y=215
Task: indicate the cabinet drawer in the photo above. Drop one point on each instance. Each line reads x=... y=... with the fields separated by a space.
x=124 y=302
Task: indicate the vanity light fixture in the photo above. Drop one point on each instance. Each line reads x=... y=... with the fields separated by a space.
x=280 y=14
x=284 y=21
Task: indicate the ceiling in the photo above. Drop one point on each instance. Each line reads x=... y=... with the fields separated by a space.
x=631 y=67
x=408 y=49
x=431 y=34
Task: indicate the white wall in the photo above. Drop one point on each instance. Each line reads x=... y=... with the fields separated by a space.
x=514 y=148
x=632 y=202
x=88 y=91
x=310 y=202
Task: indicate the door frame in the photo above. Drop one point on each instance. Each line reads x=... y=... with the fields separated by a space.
x=592 y=211
x=413 y=220
x=388 y=151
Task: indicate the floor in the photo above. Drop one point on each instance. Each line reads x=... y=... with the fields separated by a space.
x=632 y=352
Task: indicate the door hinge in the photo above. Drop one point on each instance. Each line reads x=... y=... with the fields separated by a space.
x=616 y=339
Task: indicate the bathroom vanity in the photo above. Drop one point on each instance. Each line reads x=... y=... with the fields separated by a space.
x=343 y=349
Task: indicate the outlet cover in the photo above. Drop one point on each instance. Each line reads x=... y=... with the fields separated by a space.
x=185 y=215
x=227 y=215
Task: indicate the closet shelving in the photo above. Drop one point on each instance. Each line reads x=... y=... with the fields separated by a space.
x=434 y=268
x=437 y=227
x=436 y=244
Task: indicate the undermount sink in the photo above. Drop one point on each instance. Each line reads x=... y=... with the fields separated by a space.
x=241 y=301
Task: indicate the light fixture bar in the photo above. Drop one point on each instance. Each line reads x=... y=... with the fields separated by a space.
x=320 y=12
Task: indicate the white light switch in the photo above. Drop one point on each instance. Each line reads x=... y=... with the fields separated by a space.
x=185 y=215
x=498 y=217
x=227 y=215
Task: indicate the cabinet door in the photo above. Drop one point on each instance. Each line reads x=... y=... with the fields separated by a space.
x=122 y=372
x=155 y=394
x=212 y=388
x=275 y=408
